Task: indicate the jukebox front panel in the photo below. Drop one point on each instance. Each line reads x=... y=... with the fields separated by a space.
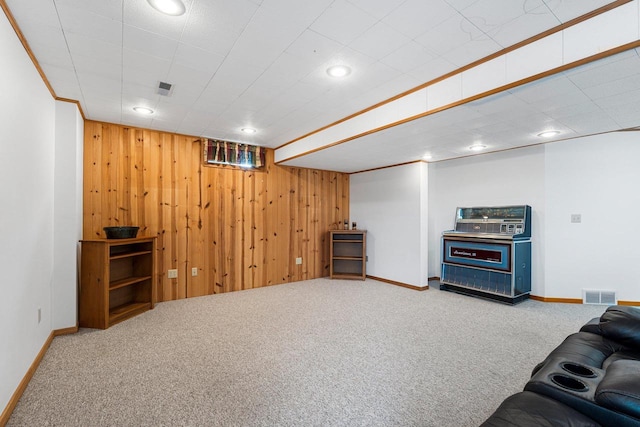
x=495 y=256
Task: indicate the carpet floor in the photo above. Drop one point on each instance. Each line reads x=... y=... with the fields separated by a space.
x=315 y=353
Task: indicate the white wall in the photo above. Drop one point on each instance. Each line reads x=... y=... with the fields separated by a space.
x=391 y=204
x=69 y=133
x=514 y=177
x=27 y=140
x=597 y=177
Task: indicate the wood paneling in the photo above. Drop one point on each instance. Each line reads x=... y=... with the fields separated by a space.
x=241 y=229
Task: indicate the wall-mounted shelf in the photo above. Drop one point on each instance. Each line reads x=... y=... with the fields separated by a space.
x=348 y=254
x=116 y=280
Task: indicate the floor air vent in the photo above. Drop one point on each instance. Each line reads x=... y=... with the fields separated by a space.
x=591 y=296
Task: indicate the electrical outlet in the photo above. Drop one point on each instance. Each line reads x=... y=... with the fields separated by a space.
x=299 y=261
x=576 y=218
x=39 y=314
x=172 y=274
x=194 y=271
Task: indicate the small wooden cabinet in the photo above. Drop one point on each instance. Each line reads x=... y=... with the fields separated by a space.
x=117 y=279
x=348 y=254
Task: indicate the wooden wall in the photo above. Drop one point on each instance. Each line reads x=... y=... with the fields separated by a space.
x=241 y=228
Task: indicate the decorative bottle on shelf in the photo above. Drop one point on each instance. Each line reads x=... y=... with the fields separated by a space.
x=346 y=224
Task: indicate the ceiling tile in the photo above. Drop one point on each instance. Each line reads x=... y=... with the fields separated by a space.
x=302 y=12
x=393 y=86
x=265 y=38
x=68 y=91
x=432 y=69
x=237 y=74
x=186 y=94
x=414 y=16
x=408 y=57
x=130 y=89
x=85 y=23
x=379 y=41
x=49 y=42
x=215 y=27
x=111 y=9
x=614 y=68
x=52 y=56
x=101 y=86
x=179 y=74
x=149 y=43
x=619 y=100
x=141 y=15
x=460 y=4
x=568 y=9
x=342 y=22
x=197 y=58
x=142 y=69
x=614 y=88
x=80 y=45
x=31 y=14
x=560 y=104
x=490 y=16
x=313 y=48
x=548 y=87
x=471 y=51
x=589 y=123
x=377 y=8
x=449 y=35
x=59 y=74
x=558 y=113
x=85 y=64
x=523 y=27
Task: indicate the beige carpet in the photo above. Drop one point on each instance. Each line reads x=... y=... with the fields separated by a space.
x=314 y=353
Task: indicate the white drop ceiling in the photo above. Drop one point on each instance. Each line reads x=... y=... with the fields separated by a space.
x=262 y=64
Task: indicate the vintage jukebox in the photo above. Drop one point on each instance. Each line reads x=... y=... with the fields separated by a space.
x=488 y=253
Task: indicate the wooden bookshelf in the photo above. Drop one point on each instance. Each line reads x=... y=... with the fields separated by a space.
x=116 y=280
x=348 y=256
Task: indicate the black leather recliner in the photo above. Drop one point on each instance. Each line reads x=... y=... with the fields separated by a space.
x=592 y=378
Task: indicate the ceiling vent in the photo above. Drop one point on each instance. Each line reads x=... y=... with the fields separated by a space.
x=595 y=296
x=164 y=89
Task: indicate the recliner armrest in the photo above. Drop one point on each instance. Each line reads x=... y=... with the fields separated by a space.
x=619 y=390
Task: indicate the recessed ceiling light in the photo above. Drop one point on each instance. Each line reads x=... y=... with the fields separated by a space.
x=248 y=130
x=549 y=133
x=168 y=7
x=338 y=71
x=143 y=110
x=426 y=157
x=477 y=147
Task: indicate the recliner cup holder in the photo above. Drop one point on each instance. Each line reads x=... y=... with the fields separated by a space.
x=568 y=382
x=579 y=370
